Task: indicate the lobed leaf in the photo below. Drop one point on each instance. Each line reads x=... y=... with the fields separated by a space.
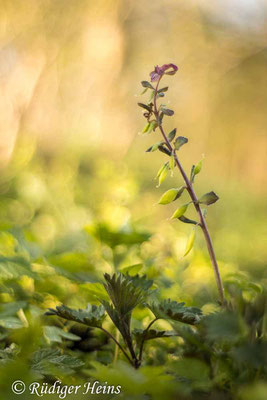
x=168 y=309
x=141 y=334
x=92 y=316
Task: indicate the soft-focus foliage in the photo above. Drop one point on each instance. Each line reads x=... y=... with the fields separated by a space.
x=76 y=192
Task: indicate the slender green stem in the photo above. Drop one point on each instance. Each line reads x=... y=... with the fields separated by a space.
x=189 y=187
x=144 y=338
x=117 y=343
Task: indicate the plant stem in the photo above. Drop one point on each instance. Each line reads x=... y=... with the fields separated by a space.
x=189 y=187
x=144 y=338
x=117 y=343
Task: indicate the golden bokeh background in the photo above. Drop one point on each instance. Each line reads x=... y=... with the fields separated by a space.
x=70 y=75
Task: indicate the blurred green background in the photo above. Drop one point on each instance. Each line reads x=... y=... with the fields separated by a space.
x=75 y=180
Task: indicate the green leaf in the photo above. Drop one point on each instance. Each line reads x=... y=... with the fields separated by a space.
x=145 y=106
x=172 y=164
x=162 y=174
x=164 y=89
x=55 y=334
x=167 y=111
x=132 y=269
x=164 y=150
x=152 y=126
x=154 y=147
x=141 y=334
x=104 y=234
x=51 y=362
x=146 y=128
x=179 y=142
x=11 y=323
x=186 y=220
x=172 y=134
x=168 y=309
x=95 y=290
x=180 y=211
x=92 y=316
x=208 y=198
x=171 y=195
x=190 y=242
x=15 y=267
x=147 y=84
x=141 y=282
x=198 y=167
x=123 y=294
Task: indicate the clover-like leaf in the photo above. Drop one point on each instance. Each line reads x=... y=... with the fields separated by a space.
x=168 y=309
x=92 y=316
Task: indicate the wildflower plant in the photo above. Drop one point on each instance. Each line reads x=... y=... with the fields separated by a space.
x=125 y=293
x=170 y=144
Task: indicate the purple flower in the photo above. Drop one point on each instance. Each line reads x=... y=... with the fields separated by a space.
x=159 y=71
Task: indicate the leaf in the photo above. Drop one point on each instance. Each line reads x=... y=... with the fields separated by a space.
x=162 y=174
x=164 y=89
x=11 y=323
x=171 y=195
x=172 y=134
x=208 y=198
x=123 y=294
x=114 y=238
x=154 y=147
x=145 y=106
x=180 y=211
x=55 y=334
x=141 y=282
x=172 y=164
x=190 y=242
x=146 y=128
x=168 y=309
x=51 y=362
x=141 y=334
x=187 y=220
x=164 y=150
x=152 y=126
x=198 y=167
x=167 y=111
x=92 y=316
x=15 y=267
x=147 y=84
x=132 y=269
x=179 y=142
x=194 y=371
x=95 y=290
